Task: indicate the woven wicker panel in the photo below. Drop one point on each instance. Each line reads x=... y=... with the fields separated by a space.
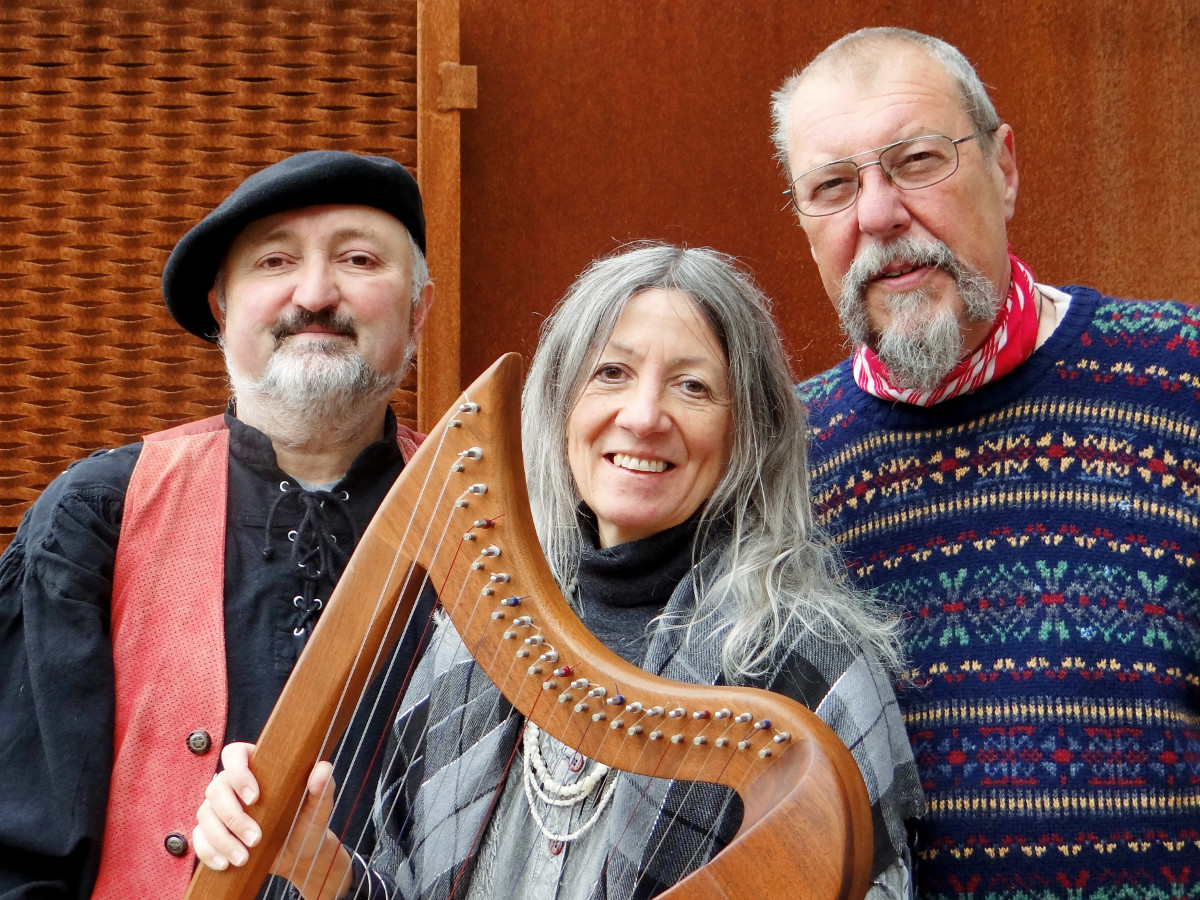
x=119 y=128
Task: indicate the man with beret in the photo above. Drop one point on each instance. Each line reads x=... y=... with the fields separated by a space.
x=1013 y=468
x=156 y=596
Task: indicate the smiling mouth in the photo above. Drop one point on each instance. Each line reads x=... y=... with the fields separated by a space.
x=896 y=273
x=636 y=464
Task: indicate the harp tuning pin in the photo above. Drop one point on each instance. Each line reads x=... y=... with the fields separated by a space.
x=476 y=566
x=764 y=753
x=454 y=423
x=677 y=738
x=701 y=714
x=550 y=656
x=579 y=684
x=534 y=640
x=635 y=729
x=482 y=523
x=722 y=742
x=477 y=489
x=562 y=671
x=655 y=735
x=491 y=550
x=762 y=725
x=677 y=713
x=511 y=601
x=634 y=707
x=615 y=724
x=459 y=504
x=458 y=467
x=565 y=698
x=535 y=670
x=598 y=717
x=486 y=592
x=616 y=700
x=469 y=407
x=655 y=711
x=468 y=536
x=498 y=614
x=500 y=577
x=743 y=745
x=743 y=718
x=597 y=692
x=722 y=713
x=581 y=707
x=473 y=453
x=782 y=737
x=509 y=635
x=549 y=685
x=521 y=621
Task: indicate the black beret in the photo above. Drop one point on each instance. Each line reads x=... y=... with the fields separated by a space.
x=307 y=179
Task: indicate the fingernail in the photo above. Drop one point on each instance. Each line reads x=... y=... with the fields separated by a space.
x=239 y=856
x=250 y=836
x=219 y=863
x=249 y=795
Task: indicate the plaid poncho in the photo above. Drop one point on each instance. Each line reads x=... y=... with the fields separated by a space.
x=455 y=733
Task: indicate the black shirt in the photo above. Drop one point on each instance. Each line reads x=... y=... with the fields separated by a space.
x=284 y=550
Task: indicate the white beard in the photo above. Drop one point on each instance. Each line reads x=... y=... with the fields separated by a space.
x=314 y=386
x=921 y=345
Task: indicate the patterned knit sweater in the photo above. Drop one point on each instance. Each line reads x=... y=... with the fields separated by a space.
x=1040 y=538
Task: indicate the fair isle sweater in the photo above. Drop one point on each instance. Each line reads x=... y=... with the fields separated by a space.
x=1040 y=539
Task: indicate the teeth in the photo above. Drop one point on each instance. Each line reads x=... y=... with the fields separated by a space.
x=639 y=465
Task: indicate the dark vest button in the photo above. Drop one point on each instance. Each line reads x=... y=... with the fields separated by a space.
x=176 y=844
x=199 y=742
x=556 y=847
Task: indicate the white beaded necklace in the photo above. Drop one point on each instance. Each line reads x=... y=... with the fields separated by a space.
x=550 y=790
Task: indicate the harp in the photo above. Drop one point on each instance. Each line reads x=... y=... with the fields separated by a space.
x=460 y=513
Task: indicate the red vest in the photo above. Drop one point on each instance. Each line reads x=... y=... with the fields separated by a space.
x=168 y=640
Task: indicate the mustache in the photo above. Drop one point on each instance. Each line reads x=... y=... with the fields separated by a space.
x=871 y=262
x=300 y=319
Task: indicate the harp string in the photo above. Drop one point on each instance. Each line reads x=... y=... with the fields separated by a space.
x=315 y=831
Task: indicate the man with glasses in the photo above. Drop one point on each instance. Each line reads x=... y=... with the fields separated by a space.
x=1014 y=469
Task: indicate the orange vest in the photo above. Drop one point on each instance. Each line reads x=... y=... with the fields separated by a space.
x=168 y=639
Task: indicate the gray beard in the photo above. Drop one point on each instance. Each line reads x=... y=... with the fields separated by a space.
x=921 y=346
x=321 y=386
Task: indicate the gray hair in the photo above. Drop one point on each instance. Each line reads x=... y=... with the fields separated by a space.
x=859 y=52
x=776 y=577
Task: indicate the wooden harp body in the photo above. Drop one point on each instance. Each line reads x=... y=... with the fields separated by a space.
x=806 y=831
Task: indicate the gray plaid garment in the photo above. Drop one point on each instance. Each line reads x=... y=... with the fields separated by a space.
x=455 y=736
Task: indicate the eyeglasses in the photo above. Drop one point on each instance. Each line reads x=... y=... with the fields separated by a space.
x=912 y=164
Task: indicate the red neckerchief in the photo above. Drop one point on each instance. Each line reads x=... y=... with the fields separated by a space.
x=1010 y=342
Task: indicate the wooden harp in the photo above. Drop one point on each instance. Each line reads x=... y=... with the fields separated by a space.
x=806 y=831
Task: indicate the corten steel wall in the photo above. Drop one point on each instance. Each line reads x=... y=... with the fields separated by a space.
x=613 y=120
x=121 y=124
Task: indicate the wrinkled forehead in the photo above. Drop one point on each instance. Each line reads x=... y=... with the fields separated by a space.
x=867 y=99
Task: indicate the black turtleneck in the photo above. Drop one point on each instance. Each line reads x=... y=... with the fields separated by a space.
x=618 y=590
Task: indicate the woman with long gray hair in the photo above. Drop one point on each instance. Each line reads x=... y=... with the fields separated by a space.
x=665 y=454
